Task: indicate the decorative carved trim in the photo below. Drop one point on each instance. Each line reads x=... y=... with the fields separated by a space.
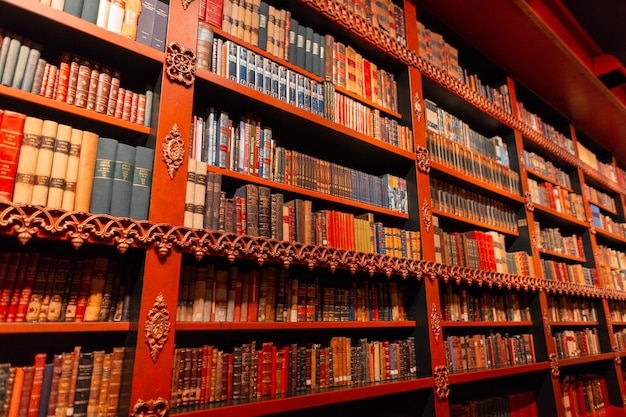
x=546 y=324
x=417 y=107
x=616 y=356
x=159 y=408
x=186 y=3
x=530 y=206
x=554 y=366
x=181 y=64
x=592 y=226
x=26 y=222
x=435 y=322
x=440 y=375
x=157 y=327
x=423 y=159
x=173 y=150
x=427 y=215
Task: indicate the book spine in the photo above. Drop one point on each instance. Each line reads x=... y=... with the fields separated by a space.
x=103 y=175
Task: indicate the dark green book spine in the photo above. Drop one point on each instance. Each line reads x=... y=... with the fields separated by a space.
x=123 y=174
x=103 y=176
x=142 y=183
x=90 y=10
x=74 y=7
x=263 y=16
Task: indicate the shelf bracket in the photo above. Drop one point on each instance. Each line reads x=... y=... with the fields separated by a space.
x=159 y=407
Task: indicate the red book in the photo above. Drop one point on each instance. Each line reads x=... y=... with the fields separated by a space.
x=24 y=280
x=7 y=287
x=253 y=296
x=62 y=84
x=11 y=128
x=83 y=289
x=213 y=12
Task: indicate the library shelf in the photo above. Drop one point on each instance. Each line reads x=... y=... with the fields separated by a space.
x=573 y=323
x=562 y=255
x=297 y=402
x=604 y=208
x=481 y=374
x=441 y=213
x=542 y=177
x=263 y=326
x=610 y=236
x=473 y=324
x=562 y=217
x=586 y=359
x=51 y=327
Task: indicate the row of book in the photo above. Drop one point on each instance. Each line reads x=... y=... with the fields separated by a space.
x=534 y=122
x=545 y=167
x=573 y=273
x=607 y=169
x=576 y=343
x=433 y=48
x=249 y=147
x=455 y=200
x=620 y=339
x=612 y=257
x=617 y=311
x=470 y=353
x=212 y=294
x=261 y=371
x=583 y=394
x=550 y=239
x=571 y=309
x=381 y=14
x=462 y=304
x=35 y=287
x=557 y=198
x=621 y=176
x=455 y=129
x=519 y=404
x=74 y=80
x=606 y=223
x=75 y=383
x=612 y=279
x=256 y=211
x=58 y=166
x=471 y=163
x=597 y=197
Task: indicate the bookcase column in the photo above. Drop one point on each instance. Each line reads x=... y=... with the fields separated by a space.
x=615 y=379
x=173 y=105
x=545 y=399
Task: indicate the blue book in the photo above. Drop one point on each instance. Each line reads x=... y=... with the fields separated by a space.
x=142 y=183
x=251 y=64
x=307 y=93
x=231 y=60
x=45 y=390
x=123 y=174
x=102 y=188
x=13 y=51
x=275 y=81
x=31 y=68
x=259 y=72
x=20 y=65
x=159 y=30
x=282 y=83
x=267 y=76
x=145 y=25
x=291 y=85
x=242 y=63
x=4 y=50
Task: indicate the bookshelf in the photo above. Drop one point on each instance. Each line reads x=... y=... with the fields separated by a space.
x=497 y=259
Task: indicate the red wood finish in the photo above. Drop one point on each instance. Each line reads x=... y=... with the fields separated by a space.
x=458 y=378
x=562 y=255
x=487 y=324
x=52 y=328
x=226 y=326
x=476 y=223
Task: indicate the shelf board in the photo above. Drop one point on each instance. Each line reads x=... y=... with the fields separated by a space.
x=462 y=324
x=618 y=323
x=476 y=223
x=74 y=110
x=470 y=376
x=307 y=400
x=562 y=255
x=83 y=27
x=543 y=177
x=491 y=188
x=263 y=326
x=604 y=208
x=585 y=359
x=609 y=235
x=557 y=214
x=306 y=192
x=83 y=327
x=573 y=323
x=264 y=99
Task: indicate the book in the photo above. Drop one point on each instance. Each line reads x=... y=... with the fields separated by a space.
x=45 y=392
x=145 y=24
x=116 y=16
x=44 y=162
x=73 y=7
x=142 y=183
x=58 y=168
x=86 y=171
x=115 y=381
x=71 y=171
x=159 y=29
x=13 y=51
x=30 y=70
x=90 y=10
x=25 y=171
x=104 y=172
x=83 y=383
x=122 y=186
x=130 y=21
x=4 y=50
x=20 y=65
x=11 y=129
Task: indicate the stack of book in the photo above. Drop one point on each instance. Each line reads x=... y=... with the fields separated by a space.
x=535 y=123
x=583 y=395
x=505 y=405
x=571 y=309
x=576 y=343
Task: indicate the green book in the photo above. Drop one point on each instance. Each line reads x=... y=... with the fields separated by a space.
x=90 y=10
x=142 y=183
x=4 y=50
x=11 y=60
x=20 y=65
x=123 y=173
x=31 y=68
x=103 y=176
x=74 y=7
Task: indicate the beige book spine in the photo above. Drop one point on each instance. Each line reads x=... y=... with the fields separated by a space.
x=56 y=184
x=25 y=176
x=44 y=163
x=86 y=166
x=71 y=174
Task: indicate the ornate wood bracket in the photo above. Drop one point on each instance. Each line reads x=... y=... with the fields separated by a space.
x=442 y=388
x=435 y=322
x=554 y=366
x=592 y=226
x=173 y=151
x=534 y=243
x=530 y=206
x=158 y=408
x=417 y=107
x=423 y=159
x=157 y=327
x=181 y=64
x=186 y=3
x=616 y=356
x=546 y=324
x=427 y=216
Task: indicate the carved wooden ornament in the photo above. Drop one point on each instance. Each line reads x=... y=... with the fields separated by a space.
x=554 y=366
x=442 y=389
x=423 y=159
x=530 y=206
x=417 y=107
x=435 y=322
x=186 y=3
x=616 y=356
x=158 y=408
x=546 y=324
x=427 y=215
x=181 y=64
x=173 y=151
x=157 y=327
